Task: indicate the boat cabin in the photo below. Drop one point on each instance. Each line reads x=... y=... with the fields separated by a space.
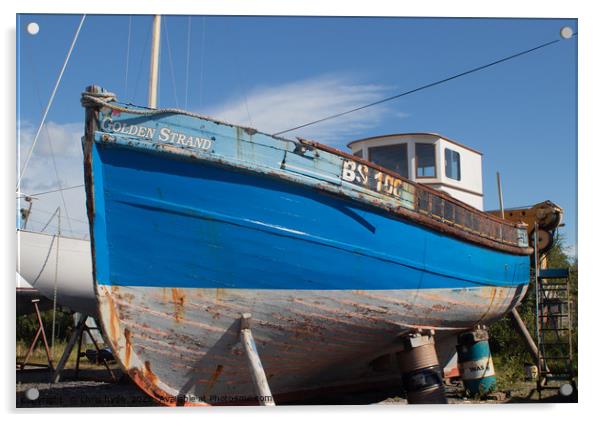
x=429 y=159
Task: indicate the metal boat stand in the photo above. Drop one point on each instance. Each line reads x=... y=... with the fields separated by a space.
x=260 y=381
x=35 y=340
x=422 y=376
x=77 y=336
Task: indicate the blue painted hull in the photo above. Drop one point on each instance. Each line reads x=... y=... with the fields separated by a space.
x=172 y=223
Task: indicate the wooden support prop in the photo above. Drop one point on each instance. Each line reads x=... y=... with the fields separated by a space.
x=79 y=329
x=522 y=328
x=262 y=388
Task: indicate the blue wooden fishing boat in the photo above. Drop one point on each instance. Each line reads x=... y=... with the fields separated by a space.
x=196 y=221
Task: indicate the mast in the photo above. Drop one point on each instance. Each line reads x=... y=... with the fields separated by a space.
x=154 y=62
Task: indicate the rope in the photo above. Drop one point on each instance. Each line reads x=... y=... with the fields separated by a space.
x=56 y=86
x=91 y=99
x=33 y=283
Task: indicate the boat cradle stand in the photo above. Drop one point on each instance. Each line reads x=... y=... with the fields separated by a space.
x=260 y=381
x=421 y=374
x=40 y=331
x=77 y=336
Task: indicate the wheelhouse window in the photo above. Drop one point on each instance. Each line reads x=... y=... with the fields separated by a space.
x=425 y=160
x=452 y=164
x=359 y=153
x=392 y=157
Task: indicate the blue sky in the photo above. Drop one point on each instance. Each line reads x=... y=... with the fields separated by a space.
x=276 y=72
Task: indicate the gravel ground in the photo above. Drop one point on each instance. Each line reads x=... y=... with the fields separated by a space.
x=96 y=389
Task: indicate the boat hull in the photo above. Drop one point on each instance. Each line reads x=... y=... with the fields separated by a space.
x=182 y=346
x=195 y=222
x=331 y=285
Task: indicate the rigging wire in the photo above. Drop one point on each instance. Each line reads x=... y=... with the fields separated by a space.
x=56 y=281
x=140 y=65
x=241 y=83
x=36 y=86
x=50 y=191
x=56 y=85
x=50 y=219
x=43 y=211
x=58 y=180
x=187 y=65
x=202 y=62
x=127 y=56
x=441 y=81
x=173 y=74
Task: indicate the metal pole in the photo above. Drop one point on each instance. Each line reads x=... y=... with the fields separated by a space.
x=26 y=213
x=154 y=62
x=540 y=367
x=499 y=192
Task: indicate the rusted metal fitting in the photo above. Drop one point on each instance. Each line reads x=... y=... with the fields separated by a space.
x=108 y=138
x=414 y=340
x=474 y=336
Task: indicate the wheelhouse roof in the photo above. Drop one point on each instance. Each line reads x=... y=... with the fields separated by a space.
x=392 y=135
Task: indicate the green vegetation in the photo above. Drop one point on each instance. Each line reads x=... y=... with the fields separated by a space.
x=510 y=353
x=27 y=325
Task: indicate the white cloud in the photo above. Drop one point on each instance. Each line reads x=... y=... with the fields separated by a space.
x=64 y=141
x=40 y=175
x=271 y=109
x=276 y=108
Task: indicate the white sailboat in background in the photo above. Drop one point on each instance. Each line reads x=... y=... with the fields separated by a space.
x=63 y=265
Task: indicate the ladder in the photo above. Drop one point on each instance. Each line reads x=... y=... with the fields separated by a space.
x=553 y=325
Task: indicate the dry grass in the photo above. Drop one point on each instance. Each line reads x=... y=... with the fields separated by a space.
x=38 y=356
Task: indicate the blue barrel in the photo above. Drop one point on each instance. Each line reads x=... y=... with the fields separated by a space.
x=475 y=363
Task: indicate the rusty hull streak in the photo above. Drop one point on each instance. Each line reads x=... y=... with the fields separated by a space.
x=218 y=371
x=144 y=378
x=178 y=298
x=128 y=346
x=156 y=393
